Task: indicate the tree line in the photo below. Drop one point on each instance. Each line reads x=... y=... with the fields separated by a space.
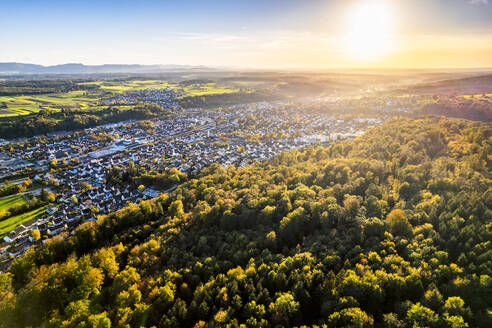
x=33 y=87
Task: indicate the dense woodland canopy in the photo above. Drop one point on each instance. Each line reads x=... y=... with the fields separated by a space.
x=390 y=230
x=476 y=109
x=32 y=87
x=227 y=99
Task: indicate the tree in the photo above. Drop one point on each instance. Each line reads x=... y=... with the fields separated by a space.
x=390 y=320
x=174 y=178
x=84 y=186
x=53 y=163
x=351 y=205
x=47 y=196
x=284 y=308
x=36 y=235
x=421 y=316
x=398 y=223
x=454 y=305
x=455 y=321
x=351 y=317
x=27 y=183
x=176 y=209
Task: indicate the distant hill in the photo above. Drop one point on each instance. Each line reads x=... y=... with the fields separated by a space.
x=75 y=68
x=468 y=85
x=470 y=109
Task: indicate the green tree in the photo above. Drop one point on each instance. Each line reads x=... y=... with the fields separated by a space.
x=36 y=235
x=176 y=209
x=398 y=223
x=421 y=316
x=284 y=308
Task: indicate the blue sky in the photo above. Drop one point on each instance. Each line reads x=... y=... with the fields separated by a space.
x=285 y=33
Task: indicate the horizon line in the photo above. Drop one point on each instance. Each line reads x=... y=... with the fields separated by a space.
x=283 y=68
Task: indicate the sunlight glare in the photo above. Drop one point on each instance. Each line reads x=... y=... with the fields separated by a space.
x=369 y=30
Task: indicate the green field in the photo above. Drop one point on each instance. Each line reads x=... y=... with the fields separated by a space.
x=18 y=105
x=24 y=105
x=188 y=90
x=125 y=86
x=13 y=222
x=9 y=201
x=476 y=96
x=206 y=89
x=89 y=100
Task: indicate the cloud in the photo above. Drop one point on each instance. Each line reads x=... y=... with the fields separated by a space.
x=478 y=2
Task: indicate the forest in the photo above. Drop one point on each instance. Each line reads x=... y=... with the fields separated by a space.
x=470 y=108
x=227 y=99
x=22 y=87
x=392 y=229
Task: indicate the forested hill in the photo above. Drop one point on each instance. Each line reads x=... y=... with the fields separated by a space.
x=390 y=230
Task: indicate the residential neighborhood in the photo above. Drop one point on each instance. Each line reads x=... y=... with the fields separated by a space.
x=75 y=166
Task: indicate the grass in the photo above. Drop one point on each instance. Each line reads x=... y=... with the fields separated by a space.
x=13 y=222
x=207 y=89
x=9 y=201
x=89 y=100
x=476 y=96
x=125 y=86
x=18 y=105
x=29 y=104
x=188 y=90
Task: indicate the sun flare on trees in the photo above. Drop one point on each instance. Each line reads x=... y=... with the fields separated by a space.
x=370 y=30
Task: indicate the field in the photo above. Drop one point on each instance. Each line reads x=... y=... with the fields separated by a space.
x=476 y=96
x=25 y=105
x=14 y=221
x=198 y=89
x=205 y=89
x=125 y=86
x=9 y=201
x=11 y=106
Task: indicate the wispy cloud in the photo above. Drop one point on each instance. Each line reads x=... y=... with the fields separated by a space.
x=478 y=2
x=273 y=39
x=209 y=37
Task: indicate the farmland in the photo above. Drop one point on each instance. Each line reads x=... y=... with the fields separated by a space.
x=9 y=201
x=129 y=85
x=19 y=105
x=14 y=221
x=29 y=104
x=194 y=89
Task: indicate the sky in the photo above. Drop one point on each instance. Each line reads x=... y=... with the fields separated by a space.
x=250 y=34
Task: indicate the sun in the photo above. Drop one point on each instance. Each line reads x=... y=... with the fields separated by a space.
x=369 y=30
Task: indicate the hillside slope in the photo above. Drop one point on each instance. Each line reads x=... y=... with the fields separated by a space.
x=392 y=229
x=467 y=85
x=471 y=109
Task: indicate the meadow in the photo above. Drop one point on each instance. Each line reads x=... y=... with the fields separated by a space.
x=29 y=104
x=9 y=201
x=196 y=89
x=11 y=106
x=13 y=222
x=133 y=85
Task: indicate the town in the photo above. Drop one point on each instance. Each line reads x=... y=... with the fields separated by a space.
x=166 y=97
x=75 y=166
